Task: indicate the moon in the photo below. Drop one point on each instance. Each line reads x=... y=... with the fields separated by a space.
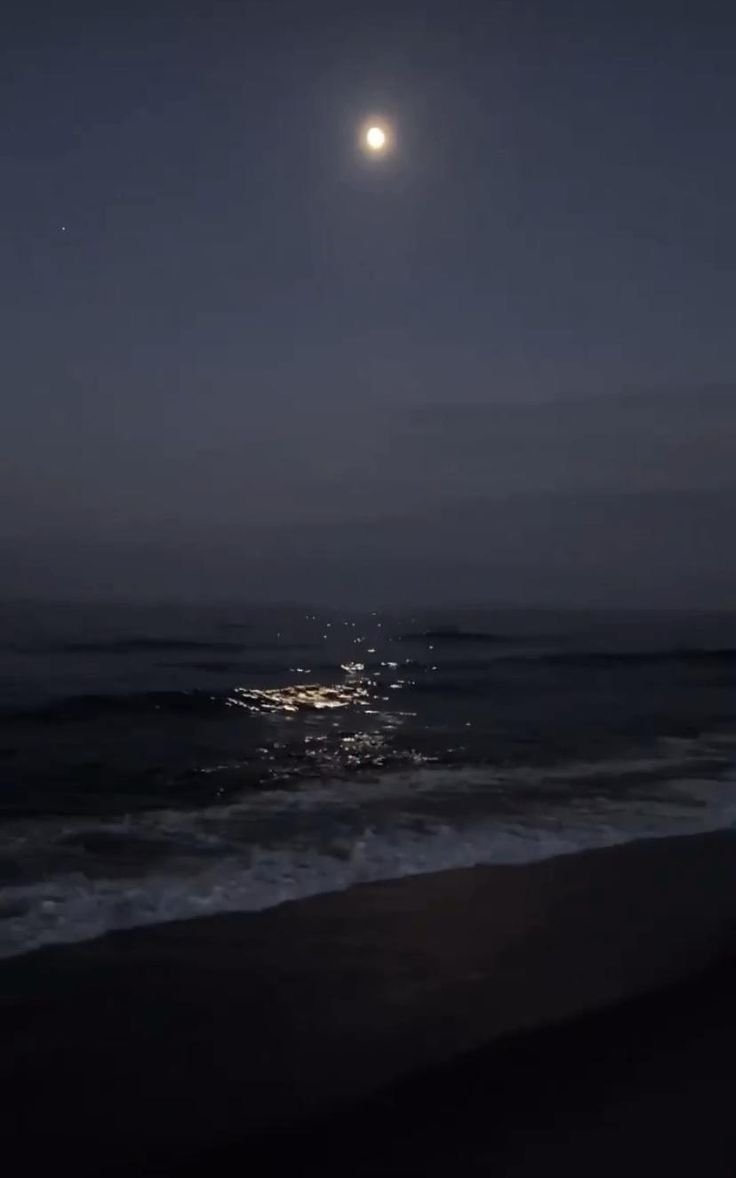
x=375 y=138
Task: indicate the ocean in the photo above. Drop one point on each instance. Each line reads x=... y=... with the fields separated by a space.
x=161 y=762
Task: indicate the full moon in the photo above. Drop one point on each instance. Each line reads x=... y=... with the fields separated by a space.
x=375 y=137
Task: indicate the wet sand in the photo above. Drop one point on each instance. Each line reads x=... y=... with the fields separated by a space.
x=335 y=1032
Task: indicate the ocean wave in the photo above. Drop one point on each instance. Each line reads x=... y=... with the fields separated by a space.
x=453 y=637
x=352 y=688
x=630 y=658
x=588 y=658
x=74 y=879
x=219 y=666
x=144 y=645
x=346 y=684
x=89 y=707
x=130 y=646
x=191 y=685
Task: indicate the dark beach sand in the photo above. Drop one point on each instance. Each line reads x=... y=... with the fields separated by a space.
x=377 y=1030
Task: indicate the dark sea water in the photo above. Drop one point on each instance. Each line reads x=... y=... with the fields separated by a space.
x=159 y=763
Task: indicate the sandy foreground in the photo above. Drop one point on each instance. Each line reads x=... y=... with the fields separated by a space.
x=376 y=1030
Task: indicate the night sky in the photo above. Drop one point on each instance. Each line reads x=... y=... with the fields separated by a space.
x=241 y=359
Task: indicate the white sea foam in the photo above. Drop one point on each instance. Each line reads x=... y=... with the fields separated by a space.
x=283 y=845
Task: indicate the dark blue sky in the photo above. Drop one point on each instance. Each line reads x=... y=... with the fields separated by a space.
x=234 y=349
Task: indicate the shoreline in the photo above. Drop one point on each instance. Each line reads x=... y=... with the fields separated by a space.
x=175 y=1040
